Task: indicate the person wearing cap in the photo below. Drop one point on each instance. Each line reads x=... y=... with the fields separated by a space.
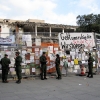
x=18 y=61
x=57 y=63
x=43 y=62
x=90 y=66
x=5 y=68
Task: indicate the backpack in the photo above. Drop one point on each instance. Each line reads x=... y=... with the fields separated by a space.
x=65 y=64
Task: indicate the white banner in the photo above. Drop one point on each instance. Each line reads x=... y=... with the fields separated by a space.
x=8 y=40
x=76 y=40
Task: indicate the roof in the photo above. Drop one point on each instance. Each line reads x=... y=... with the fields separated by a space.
x=33 y=22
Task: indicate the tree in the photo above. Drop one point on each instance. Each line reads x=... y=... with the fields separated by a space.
x=88 y=23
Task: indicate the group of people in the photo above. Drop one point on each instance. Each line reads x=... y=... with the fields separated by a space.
x=90 y=66
x=5 y=67
x=43 y=61
x=5 y=61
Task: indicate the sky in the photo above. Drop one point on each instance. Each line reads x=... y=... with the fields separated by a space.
x=52 y=11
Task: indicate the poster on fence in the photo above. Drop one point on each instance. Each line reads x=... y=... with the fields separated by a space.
x=76 y=40
x=7 y=40
x=26 y=37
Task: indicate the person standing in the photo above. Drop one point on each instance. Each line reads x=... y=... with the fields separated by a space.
x=5 y=68
x=90 y=66
x=57 y=63
x=43 y=62
x=18 y=61
x=66 y=66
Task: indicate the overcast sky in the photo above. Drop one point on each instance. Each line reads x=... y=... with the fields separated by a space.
x=52 y=11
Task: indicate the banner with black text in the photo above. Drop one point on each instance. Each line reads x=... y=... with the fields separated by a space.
x=76 y=40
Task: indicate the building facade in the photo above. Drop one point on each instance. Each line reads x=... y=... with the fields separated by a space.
x=36 y=28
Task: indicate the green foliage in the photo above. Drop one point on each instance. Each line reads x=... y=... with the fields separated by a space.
x=88 y=23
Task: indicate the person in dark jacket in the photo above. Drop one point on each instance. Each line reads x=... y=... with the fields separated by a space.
x=90 y=66
x=18 y=61
x=57 y=62
x=5 y=68
x=43 y=62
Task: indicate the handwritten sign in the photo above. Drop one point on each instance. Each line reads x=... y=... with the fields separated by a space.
x=76 y=40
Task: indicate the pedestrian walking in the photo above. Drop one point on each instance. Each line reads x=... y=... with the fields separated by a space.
x=57 y=63
x=18 y=61
x=43 y=62
x=90 y=66
x=5 y=68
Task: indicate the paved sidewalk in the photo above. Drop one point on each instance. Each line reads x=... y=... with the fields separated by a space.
x=69 y=88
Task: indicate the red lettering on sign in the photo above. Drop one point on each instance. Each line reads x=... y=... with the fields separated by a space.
x=86 y=42
x=74 y=42
x=82 y=41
